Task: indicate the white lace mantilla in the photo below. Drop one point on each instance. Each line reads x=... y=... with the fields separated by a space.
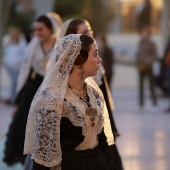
x=43 y=126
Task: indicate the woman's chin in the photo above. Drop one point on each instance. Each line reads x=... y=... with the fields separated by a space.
x=92 y=75
x=95 y=73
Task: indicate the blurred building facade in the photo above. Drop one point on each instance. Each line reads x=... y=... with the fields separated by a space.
x=166 y=21
x=125 y=15
x=36 y=6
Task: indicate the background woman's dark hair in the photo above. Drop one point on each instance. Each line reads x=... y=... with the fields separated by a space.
x=73 y=26
x=46 y=21
x=87 y=41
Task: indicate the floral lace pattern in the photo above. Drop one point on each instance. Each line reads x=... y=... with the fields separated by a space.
x=75 y=110
x=107 y=125
x=43 y=124
x=48 y=106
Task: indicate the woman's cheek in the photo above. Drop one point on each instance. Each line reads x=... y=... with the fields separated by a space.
x=94 y=61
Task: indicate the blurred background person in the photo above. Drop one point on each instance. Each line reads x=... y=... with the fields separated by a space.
x=166 y=72
x=13 y=57
x=107 y=55
x=161 y=79
x=31 y=75
x=29 y=35
x=145 y=58
x=143 y=14
x=81 y=26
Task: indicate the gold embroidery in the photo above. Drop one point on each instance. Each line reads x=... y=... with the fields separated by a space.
x=91 y=112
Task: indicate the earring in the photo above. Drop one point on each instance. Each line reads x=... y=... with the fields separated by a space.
x=81 y=72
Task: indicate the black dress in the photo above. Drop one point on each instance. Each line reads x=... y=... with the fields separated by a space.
x=16 y=133
x=99 y=158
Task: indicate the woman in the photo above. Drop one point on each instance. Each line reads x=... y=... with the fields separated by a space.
x=80 y=26
x=30 y=78
x=65 y=127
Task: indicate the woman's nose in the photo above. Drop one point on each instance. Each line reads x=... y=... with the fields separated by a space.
x=99 y=60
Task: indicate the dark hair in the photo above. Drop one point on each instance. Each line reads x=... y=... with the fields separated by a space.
x=85 y=48
x=103 y=38
x=46 y=21
x=73 y=26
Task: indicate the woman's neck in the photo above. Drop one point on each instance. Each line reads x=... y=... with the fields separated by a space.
x=48 y=44
x=76 y=81
x=49 y=40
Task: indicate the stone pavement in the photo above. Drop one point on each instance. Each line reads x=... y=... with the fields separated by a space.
x=5 y=118
x=145 y=133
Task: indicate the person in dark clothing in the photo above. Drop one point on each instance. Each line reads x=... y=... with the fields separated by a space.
x=166 y=72
x=161 y=79
x=108 y=59
x=145 y=58
x=143 y=12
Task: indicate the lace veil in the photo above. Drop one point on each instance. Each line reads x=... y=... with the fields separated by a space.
x=64 y=28
x=43 y=125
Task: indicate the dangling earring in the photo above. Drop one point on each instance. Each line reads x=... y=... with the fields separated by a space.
x=81 y=72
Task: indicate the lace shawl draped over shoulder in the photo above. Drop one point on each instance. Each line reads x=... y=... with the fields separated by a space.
x=42 y=131
x=42 y=138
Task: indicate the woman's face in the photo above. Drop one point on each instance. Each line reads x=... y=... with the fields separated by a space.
x=85 y=29
x=92 y=64
x=42 y=31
